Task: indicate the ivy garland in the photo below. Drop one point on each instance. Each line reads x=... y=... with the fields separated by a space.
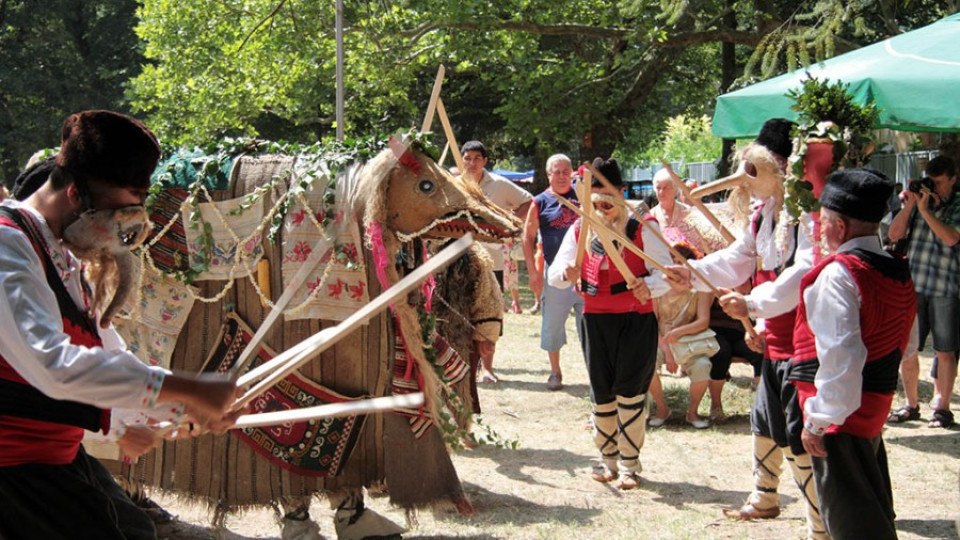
x=826 y=113
x=454 y=435
x=313 y=161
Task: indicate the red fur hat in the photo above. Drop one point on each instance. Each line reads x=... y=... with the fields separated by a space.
x=110 y=147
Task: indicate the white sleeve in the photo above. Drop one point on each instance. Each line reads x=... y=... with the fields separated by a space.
x=783 y=294
x=659 y=251
x=37 y=348
x=566 y=255
x=833 y=313
x=730 y=266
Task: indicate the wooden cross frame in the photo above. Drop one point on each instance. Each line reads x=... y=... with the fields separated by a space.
x=436 y=107
x=695 y=201
x=747 y=325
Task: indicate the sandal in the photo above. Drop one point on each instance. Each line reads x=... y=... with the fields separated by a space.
x=942 y=418
x=904 y=414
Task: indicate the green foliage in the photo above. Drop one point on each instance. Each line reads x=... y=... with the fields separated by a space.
x=827 y=112
x=528 y=77
x=686 y=138
x=58 y=57
x=820 y=101
x=818 y=30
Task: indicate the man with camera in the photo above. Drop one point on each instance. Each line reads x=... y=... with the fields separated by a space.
x=930 y=220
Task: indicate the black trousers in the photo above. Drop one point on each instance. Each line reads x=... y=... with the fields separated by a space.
x=621 y=353
x=68 y=502
x=776 y=412
x=853 y=484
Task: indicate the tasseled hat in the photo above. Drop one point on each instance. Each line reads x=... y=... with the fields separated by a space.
x=108 y=146
x=610 y=169
x=862 y=194
x=775 y=136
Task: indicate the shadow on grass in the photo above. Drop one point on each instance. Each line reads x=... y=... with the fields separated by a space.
x=575 y=390
x=501 y=508
x=681 y=494
x=927 y=440
x=928 y=528
x=181 y=530
x=510 y=463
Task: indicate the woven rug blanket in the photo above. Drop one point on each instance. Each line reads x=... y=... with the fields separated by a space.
x=406 y=377
x=313 y=448
x=169 y=252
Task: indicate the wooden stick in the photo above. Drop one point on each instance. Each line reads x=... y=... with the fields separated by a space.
x=330 y=410
x=695 y=201
x=673 y=251
x=583 y=194
x=598 y=226
x=321 y=247
x=745 y=321
x=286 y=362
x=448 y=129
x=443 y=155
x=615 y=257
x=434 y=96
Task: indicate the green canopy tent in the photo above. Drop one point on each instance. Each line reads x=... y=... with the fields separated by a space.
x=913 y=77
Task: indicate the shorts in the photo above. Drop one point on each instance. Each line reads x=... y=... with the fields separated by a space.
x=913 y=345
x=939 y=315
x=555 y=308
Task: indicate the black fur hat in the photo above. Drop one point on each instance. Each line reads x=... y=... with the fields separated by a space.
x=32 y=178
x=610 y=169
x=110 y=147
x=862 y=194
x=775 y=136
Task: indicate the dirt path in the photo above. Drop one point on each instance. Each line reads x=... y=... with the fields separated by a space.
x=543 y=491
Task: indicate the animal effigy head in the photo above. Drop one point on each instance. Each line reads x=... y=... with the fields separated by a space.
x=411 y=196
x=103 y=240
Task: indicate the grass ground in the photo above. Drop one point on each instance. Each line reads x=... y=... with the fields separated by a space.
x=542 y=490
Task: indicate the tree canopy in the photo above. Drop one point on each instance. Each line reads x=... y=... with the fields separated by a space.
x=528 y=77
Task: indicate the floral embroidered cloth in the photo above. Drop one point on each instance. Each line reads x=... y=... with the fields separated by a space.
x=341 y=276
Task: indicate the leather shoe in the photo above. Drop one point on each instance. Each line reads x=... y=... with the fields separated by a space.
x=749 y=512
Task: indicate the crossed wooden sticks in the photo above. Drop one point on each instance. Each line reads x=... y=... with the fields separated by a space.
x=747 y=325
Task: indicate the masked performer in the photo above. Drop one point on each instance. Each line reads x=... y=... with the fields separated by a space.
x=619 y=328
x=856 y=311
x=54 y=350
x=776 y=253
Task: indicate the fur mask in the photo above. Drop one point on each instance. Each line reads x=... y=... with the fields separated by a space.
x=103 y=239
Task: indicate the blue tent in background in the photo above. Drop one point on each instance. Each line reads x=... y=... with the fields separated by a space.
x=518 y=177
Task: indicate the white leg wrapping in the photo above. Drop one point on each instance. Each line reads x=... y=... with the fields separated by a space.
x=632 y=423
x=296 y=523
x=767 y=466
x=353 y=521
x=802 y=469
x=606 y=433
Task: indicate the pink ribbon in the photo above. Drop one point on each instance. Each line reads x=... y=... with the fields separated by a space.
x=380 y=257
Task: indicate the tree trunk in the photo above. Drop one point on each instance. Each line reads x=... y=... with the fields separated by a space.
x=728 y=74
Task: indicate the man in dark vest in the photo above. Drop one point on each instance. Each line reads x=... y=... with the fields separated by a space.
x=853 y=323
x=60 y=371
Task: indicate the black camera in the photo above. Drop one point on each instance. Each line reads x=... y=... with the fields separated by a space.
x=917 y=186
